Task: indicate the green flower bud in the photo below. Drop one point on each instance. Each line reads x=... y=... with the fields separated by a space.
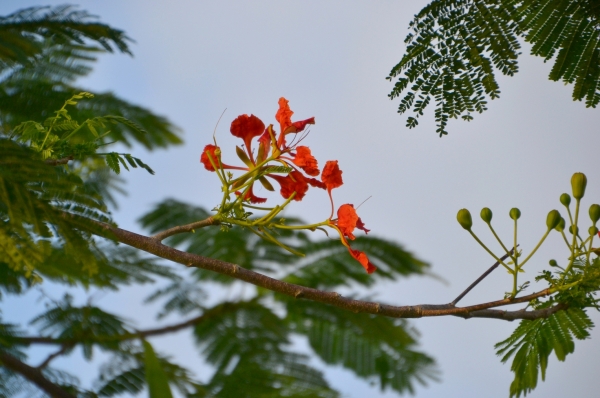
x=576 y=230
x=553 y=263
x=595 y=213
x=593 y=230
x=486 y=215
x=553 y=219
x=514 y=213
x=561 y=225
x=578 y=183
x=565 y=199
x=464 y=219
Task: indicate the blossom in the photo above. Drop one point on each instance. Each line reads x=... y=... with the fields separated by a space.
x=293 y=182
x=332 y=175
x=284 y=117
x=215 y=154
x=345 y=224
x=247 y=127
x=306 y=161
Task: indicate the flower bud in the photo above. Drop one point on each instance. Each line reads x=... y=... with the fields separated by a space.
x=593 y=230
x=561 y=225
x=553 y=263
x=595 y=213
x=486 y=215
x=565 y=199
x=576 y=230
x=464 y=219
x=514 y=213
x=553 y=219
x=578 y=183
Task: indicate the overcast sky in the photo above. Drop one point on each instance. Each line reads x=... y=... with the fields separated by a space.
x=193 y=59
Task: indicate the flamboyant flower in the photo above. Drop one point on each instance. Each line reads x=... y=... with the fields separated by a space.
x=293 y=182
x=284 y=117
x=247 y=127
x=215 y=154
x=345 y=224
x=306 y=161
x=332 y=178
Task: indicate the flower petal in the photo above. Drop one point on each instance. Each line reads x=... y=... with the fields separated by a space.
x=306 y=161
x=347 y=219
x=215 y=154
x=362 y=258
x=293 y=182
x=332 y=175
x=284 y=115
x=250 y=196
x=247 y=127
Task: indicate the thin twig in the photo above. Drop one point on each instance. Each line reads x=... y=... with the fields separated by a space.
x=184 y=228
x=33 y=375
x=64 y=349
x=482 y=277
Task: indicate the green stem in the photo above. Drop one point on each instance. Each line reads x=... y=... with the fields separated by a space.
x=535 y=249
x=510 y=270
x=498 y=238
x=575 y=233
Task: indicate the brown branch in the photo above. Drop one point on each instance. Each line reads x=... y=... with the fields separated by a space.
x=185 y=228
x=219 y=310
x=155 y=247
x=57 y=162
x=33 y=375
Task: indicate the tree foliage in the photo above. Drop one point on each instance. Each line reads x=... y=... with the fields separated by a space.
x=457 y=46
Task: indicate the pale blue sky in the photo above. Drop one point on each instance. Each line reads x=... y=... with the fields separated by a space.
x=193 y=59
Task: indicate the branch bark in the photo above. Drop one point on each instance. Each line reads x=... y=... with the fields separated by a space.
x=33 y=375
x=154 y=246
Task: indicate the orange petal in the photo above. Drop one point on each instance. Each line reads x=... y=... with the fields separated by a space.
x=247 y=127
x=293 y=182
x=284 y=115
x=362 y=258
x=347 y=219
x=212 y=149
x=332 y=175
x=250 y=196
x=306 y=161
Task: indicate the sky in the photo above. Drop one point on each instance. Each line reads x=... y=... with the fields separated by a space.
x=194 y=59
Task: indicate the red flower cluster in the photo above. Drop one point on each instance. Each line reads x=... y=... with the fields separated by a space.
x=274 y=148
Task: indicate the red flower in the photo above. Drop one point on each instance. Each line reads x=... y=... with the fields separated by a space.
x=306 y=161
x=284 y=117
x=345 y=224
x=348 y=220
x=247 y=127
x=215 y=154
x=332 y=175
x=293 y=182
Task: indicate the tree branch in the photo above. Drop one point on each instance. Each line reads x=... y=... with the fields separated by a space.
x=33 y=375
x=185 y=228
x=223 y=308
x=153 y=246
x=482 y=277
x=57 y=162
x=66 y=347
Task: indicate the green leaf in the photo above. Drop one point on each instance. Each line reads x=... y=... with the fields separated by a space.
x=532 y=342
x=158 y=384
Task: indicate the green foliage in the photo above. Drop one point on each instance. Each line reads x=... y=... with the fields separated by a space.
x=456 y=46
x=158 y=384
x=533 y=341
